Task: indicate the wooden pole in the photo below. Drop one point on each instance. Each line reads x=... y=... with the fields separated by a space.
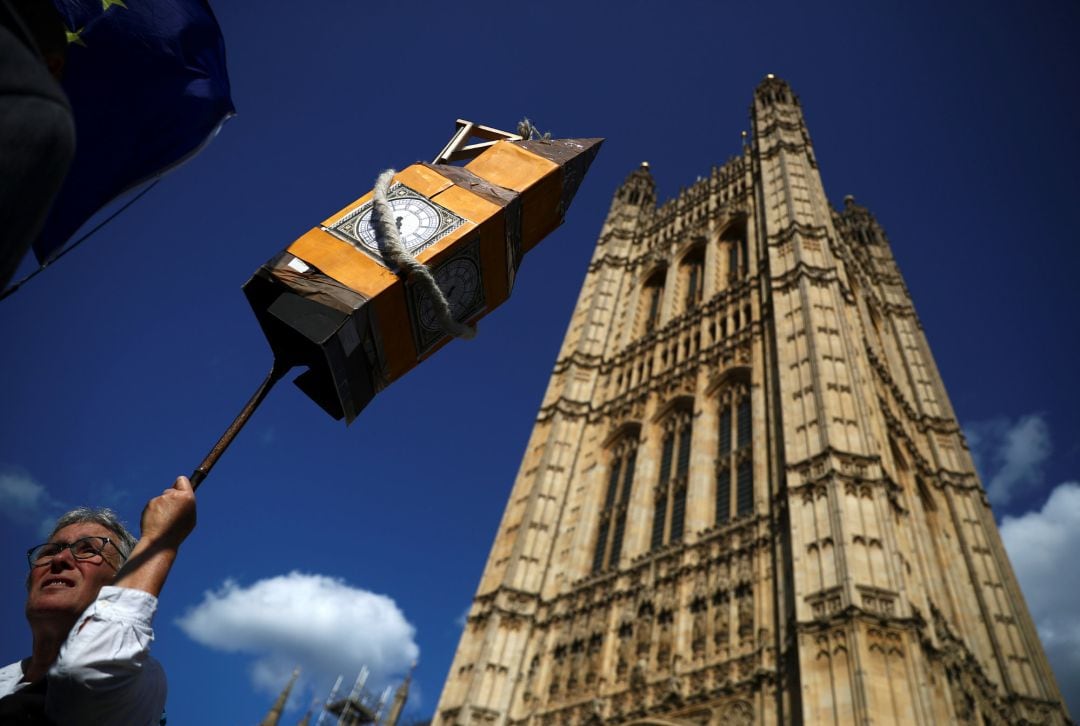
x=277 y=372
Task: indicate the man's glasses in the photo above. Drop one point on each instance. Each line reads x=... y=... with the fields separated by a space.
x=84 y=548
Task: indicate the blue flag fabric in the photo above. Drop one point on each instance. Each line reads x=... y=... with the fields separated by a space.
x=148 y=87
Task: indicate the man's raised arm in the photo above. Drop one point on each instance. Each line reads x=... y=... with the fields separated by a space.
x=167 y=520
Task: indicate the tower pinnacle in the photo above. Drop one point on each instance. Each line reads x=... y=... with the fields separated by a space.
x=400 y=697
x=278 y=708
x=774 y=90
x=639 y=187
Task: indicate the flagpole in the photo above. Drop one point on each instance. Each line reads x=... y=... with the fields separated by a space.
x=277 y=372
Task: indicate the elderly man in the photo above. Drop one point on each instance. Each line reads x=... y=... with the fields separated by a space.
x=91 y=594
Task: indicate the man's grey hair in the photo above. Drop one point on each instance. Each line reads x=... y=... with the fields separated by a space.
x=124 y=540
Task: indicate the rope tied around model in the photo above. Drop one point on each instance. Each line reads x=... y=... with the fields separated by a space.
x=526 y=130
x=388 y=237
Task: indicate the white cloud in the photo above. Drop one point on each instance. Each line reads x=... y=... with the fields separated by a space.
x=317 y=622
x=20 y=493
x=25 y=501
x=1041 y=546
x=1009 y=454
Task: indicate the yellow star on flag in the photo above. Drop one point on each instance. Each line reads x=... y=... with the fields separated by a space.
x=74 y=37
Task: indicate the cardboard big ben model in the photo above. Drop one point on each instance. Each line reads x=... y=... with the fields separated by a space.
x=331 y=303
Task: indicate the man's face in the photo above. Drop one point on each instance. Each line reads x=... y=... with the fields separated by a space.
x=66 y=586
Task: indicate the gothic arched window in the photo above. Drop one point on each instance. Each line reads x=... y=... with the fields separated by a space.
x=692 y=273
x=733 y=242
x=669 y=514
x=652 y=295
x=612 y=526
x=735 y=460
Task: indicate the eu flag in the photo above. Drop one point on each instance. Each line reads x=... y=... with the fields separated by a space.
x=148 y=88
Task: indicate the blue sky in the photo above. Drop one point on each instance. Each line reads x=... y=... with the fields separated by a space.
x=955 y=123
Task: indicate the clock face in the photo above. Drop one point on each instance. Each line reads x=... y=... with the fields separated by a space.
x=420 y=221
x=459 y=280
x=417 y=221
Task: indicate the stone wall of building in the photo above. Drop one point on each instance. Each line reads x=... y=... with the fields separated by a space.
x=746 y=498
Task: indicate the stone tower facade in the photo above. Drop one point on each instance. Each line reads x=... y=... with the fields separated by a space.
x=746 y=499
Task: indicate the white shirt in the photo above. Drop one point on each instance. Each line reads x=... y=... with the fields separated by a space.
x=104 y=673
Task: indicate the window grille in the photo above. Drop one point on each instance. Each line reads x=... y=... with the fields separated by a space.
x=735 y=461
x=612 y=523
x=669 y=514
